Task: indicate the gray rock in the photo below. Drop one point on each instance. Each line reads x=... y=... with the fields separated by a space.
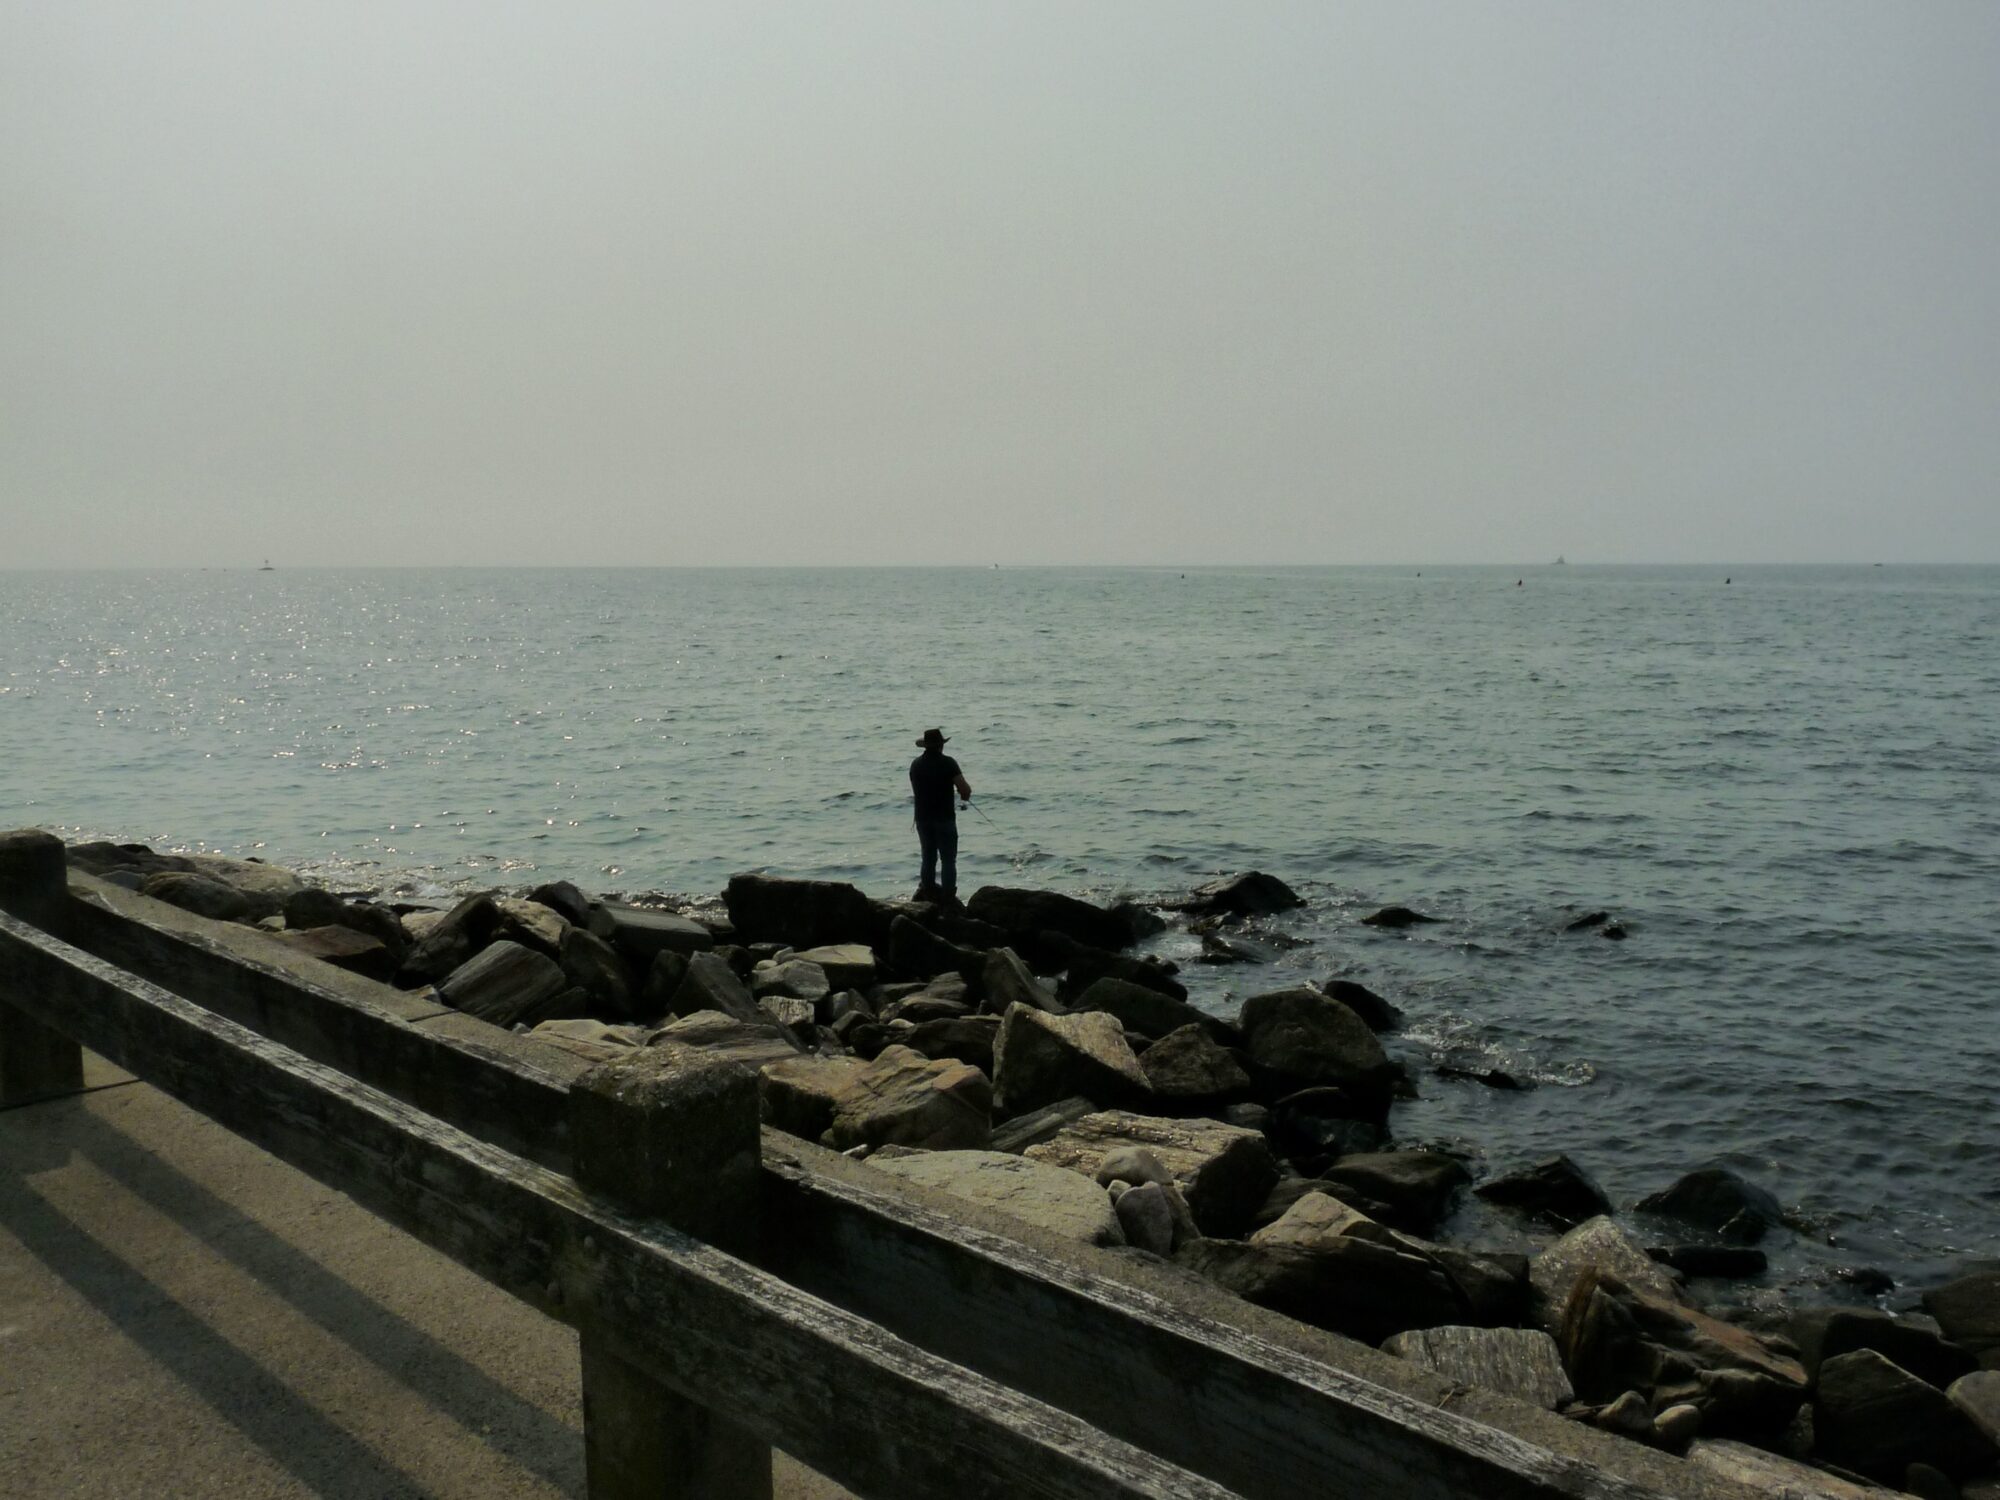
x=593 y=966
x=801 y=1095
x=1968 y=1312
x=804 y=913
x=1929 y=1483
x=1006 y=981
x=506 y=984
x=1357 y=1287
x=451 y=939
x=1555 y=1189
x=1046 y=1197
x=1024 y=913
x=1406 y=1189
x=1305 y=1038
x=968 y=1038
x=565 y=900
x=1314 y=1217
x=796 y=1016
x=663 y=977
x=531 y=924
x=1518 y=1362
x=1629 y=1415
x=1615 y=1338
x=753 y=1043
x=1039 y=1125
x=1978 y=1396
x=266 y=887
x=1145 y=1216
x=1677 y=1426
x=904 y=1098
x=642 y=934
x=1132 y=1165
x=344 y=948
x=1146 y=1010
x=1715 y=1198
x=1397 y=917
x=1187 y=1069
x=1876 y=1418
x=796 y=978
x=1223 y=1172
x=1596 y=1245
x=1039 y=1058
x=1252 y=894
x=710 y=984
x=1376 y=1014
x=204 y=896
x=915 y=949
x=1824 y=1333
x=847 y=966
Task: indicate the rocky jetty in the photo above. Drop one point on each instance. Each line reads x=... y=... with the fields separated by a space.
x=1016 y=1053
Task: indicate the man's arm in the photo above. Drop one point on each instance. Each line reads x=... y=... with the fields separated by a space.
x=964 y=786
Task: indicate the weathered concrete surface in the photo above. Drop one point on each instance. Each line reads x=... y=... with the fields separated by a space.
x=182 y=1314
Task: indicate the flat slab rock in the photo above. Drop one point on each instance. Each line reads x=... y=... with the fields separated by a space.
x=1044 y=1196
x=1223 y=1171
x=1519 y=1362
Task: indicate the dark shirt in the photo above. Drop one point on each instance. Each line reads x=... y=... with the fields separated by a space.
x=931 y=777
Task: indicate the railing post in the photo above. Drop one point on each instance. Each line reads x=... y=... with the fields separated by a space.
x=674 y=1133
x=36 y=1062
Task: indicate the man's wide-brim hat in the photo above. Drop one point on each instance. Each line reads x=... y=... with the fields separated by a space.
x=934 y=737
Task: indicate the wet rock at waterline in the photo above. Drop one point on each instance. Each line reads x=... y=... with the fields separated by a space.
x=1396 y=917
x=1556 y=1190
x=1716 y=1199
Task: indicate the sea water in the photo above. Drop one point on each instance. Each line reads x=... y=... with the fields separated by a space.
x=1780 y=782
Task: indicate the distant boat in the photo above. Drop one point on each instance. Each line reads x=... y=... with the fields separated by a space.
x=267 y=568
x=1561 y=561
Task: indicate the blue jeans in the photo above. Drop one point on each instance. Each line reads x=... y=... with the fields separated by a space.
x=939 y=838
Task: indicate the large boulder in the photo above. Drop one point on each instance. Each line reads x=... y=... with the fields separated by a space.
x=641 y=933
x=1596 y=1245
x=1187 y=1069
x=203 y=895
x=1082 y=965
x=969 y=1039
x=1044 y=1196
x=266 y=887
x=1520 y=1362
x=1716 y=1199
x=1616 y=1338
x=507 y=984
x=847 y=966
x=1376 y=1014
x=1024 y=913
x=904 y=1098
x=1364 y=1289
x=915 y=950
x=803 y=913
x=793 y=978
x=344 y=948
x=1039 y=1058
x=1150 y=1012
x=800 y=1095
x=1824 y=1333
x=1300 y=1038
x=1876 y=1418
x=1978 y=1396
x=451 y=940
x=593 y=966
x=1223 y=1171
x=565 y=900
x=1555 y=1189
x=531 y=924
x=1407 y=1189
x=708 y=983
x=753 y=1043
x=1968 y=1310
x=1315 y=1216
x=1252 y=894
x=1005 y=981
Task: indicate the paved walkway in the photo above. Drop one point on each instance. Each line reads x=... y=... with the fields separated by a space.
x=182 y=1315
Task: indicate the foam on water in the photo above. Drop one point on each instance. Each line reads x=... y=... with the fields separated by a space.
x=1783 y=789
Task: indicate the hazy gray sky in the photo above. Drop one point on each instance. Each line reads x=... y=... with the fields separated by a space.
x=348 y=283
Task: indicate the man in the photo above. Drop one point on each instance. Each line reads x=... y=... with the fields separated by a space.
x=934 y=776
